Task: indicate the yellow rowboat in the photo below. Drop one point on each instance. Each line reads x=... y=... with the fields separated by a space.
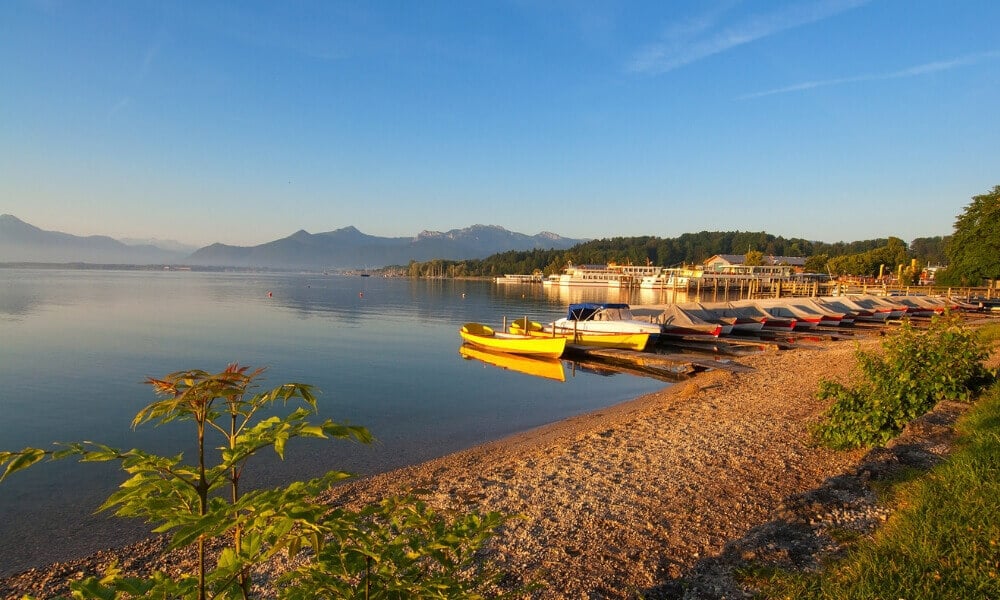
x=626 y=341
x=483 y=336
x=549 y=368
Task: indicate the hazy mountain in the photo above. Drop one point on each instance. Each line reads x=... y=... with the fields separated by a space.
x=169 y=245
x=22 y=242
x=343 y=248
x=349 y=248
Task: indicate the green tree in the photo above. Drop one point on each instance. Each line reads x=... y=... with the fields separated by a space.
x=816 y=263
x=974 y=250
x=753 y=258
x=868 y=263
x=930 y=251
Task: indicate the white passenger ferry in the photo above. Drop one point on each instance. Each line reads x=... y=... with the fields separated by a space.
x=609 y=275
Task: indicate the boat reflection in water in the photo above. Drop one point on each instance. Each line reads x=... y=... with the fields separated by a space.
x=548 y=368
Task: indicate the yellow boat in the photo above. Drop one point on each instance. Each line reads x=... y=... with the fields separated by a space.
x=549 y=368
x=484 y=336
x=626 y=341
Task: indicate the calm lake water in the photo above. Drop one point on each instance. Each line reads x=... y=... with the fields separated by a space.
x=75 y=346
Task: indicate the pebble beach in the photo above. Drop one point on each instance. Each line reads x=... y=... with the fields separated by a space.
x=662 y=496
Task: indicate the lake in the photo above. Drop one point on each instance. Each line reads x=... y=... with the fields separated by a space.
x=76 y=345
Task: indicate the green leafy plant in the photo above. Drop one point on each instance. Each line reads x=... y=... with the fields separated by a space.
x=943 y=538
x=915 y=369
x=396 y=549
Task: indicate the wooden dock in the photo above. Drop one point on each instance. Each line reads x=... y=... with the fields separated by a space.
x=678 y=358
x=676 y=364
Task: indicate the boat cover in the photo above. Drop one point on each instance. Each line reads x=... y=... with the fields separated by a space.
x=676 y=316
x=707 y=314
x=585 y=311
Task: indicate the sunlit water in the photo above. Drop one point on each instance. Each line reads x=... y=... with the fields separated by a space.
x=75 y=347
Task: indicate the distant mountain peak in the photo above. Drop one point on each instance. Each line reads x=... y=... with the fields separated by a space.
x=12 y=221
x=23 y=242
x=346 y=247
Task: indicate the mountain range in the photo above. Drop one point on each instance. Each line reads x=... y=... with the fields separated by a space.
x=345 y=248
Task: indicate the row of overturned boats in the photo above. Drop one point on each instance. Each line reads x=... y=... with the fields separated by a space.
x=620 y=326
x=790 y=314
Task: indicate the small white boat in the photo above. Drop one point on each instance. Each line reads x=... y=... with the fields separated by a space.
x=624 y=341
x=606 y=318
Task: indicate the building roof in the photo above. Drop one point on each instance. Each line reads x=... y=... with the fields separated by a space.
x=738 y=259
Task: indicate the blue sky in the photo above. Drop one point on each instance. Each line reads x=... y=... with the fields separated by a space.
x=242 y=122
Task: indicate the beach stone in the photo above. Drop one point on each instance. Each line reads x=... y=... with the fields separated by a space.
x=659 y=497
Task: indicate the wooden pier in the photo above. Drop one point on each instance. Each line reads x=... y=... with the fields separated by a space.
x=718 y=288
x=675 y=364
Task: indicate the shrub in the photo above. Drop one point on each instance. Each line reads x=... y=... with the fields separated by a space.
x=915 y=369
x=396 y=549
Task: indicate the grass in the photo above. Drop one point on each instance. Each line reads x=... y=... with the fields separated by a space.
x=989 y=333
x=943 y=541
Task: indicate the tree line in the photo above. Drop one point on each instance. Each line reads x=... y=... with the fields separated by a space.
x=687 y=249
x=971 y=253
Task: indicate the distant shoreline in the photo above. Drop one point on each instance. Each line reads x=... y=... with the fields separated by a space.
x=184 y=268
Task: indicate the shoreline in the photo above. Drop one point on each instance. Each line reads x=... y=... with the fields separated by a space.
x=622 y=500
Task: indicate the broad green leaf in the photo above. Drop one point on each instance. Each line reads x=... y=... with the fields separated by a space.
x=20 y=460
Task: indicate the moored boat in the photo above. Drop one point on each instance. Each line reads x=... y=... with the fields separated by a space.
x=696 y=309
x=743 y=321
x=861 y=313
x=676 y=322
x=624 y=341
x=880 y=305
x=484 y=336
x=666 y=279
x=805 y=306
x=830 y=315
x=605 y=318
x=610 y=275
x=747 y=316
x=800 y=319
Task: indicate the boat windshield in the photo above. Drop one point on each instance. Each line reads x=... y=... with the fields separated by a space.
x=599 y=312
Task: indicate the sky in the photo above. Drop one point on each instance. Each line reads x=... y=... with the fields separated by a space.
x=243 y=122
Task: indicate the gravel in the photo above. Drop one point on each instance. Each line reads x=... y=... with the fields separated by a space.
x=662 y=496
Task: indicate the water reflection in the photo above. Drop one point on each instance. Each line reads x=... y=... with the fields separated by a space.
x=78 y=344
x=550 y=368
x=563 y=296
x=17 y=303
